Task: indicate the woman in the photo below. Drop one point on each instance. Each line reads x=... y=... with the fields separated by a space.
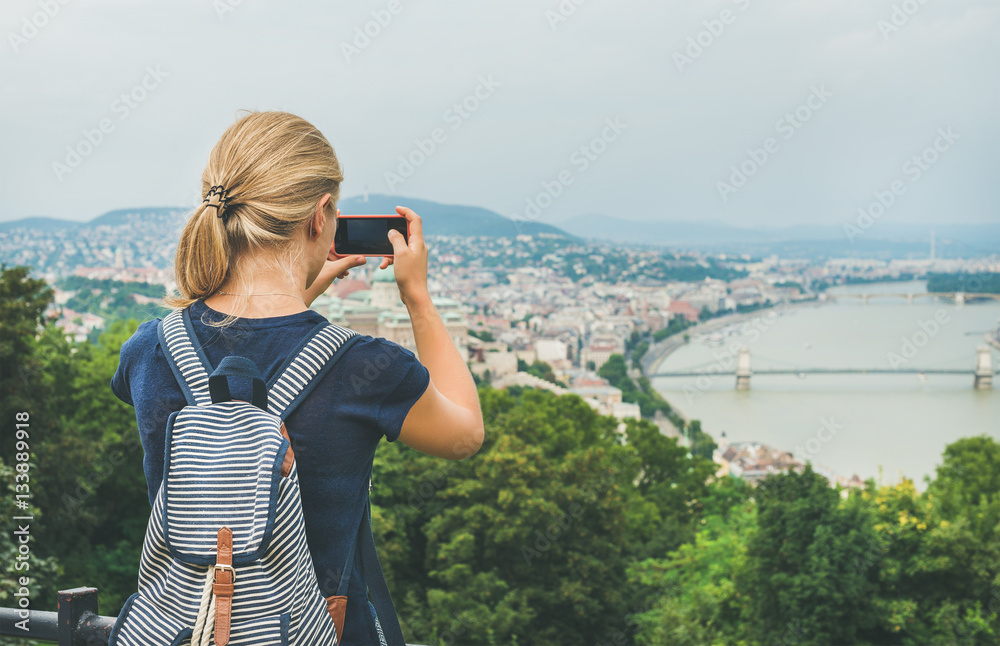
x=250 y=261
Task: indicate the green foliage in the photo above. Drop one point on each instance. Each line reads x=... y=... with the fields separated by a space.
x=113 y=300
x=702 y=443
x=482 y=335
x=36 y=569
x=531 y=538
x=801 y=563
x=676 y=325
x=692 y=594
x=638 y=352
x=23 y=301
x=86 y=475
x=540 y=369
x=649 y=400
x=970 y=283
x=562 y=530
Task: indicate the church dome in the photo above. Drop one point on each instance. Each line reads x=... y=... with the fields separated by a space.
x=384 y=275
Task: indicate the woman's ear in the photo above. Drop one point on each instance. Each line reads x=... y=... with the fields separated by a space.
x=319 y=216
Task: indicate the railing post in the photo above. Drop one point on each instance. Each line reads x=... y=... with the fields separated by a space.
x=77 y=612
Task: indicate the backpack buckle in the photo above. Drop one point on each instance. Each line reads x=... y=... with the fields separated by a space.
x=228 y=568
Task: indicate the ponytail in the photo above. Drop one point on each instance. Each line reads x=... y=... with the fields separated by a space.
x=202 y=262
x=262 y=183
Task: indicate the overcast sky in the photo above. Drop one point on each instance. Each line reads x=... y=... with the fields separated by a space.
x=694 y=87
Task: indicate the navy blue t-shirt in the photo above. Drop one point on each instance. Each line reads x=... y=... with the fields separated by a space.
x=334 y=431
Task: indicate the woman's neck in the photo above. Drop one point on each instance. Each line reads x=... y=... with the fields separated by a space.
x=263 y=296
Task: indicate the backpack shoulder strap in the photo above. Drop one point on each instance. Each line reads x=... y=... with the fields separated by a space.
x=305 y=366
x=373 y=579
x=371 y=570
x=186 y=358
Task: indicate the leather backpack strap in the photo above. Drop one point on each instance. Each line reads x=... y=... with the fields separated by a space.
x=223 y=586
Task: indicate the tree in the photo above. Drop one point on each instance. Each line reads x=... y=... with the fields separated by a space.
x=23 y=301
x=90 y=481
x=702 y=443
x=800 y=581
x=670 y=488
x=530 y=539
x=968 y=482
x=483 y=335
x=691 y=595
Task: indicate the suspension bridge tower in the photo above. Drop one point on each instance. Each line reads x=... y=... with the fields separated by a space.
x=743 y=369
x=984 y=369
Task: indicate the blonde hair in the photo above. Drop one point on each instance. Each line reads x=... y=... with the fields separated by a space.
x=275 y=167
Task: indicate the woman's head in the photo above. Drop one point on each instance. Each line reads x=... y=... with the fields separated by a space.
x=273 y=169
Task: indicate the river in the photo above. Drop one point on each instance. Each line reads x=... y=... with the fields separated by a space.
x=872 y=425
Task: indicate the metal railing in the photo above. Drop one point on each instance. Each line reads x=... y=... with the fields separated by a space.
x=75 y=623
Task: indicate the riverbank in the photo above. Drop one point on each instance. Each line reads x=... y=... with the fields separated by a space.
x=750 y=470
x=887 y=426
x=662 y=349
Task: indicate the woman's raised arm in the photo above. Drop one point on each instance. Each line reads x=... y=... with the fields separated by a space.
x=447 y=420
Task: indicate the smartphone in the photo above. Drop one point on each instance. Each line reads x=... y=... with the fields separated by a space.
x=367 y=235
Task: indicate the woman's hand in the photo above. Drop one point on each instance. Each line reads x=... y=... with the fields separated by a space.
x=409 y=258
x=334 y=267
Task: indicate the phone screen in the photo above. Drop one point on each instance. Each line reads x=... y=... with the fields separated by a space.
x=367 y=235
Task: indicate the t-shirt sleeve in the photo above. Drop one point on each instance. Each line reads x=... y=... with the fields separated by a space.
x=406 y=385
x=120 y=382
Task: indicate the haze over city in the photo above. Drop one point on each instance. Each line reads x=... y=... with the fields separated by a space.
x=637 y=110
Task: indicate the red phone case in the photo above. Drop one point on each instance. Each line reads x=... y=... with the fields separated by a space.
x=333 y=249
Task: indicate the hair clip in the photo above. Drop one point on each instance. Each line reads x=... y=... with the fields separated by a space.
x=222 y=195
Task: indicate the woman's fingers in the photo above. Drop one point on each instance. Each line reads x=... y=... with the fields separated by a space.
x=416 y=227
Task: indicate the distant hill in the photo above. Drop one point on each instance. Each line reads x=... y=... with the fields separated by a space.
x=448 y=219
x=438 y=219
x=122 y=216
x=806 y=240
x=111 y=218
x=39 y=223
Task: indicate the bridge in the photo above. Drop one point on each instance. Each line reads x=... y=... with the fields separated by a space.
x=982 y=372
x=958 y=297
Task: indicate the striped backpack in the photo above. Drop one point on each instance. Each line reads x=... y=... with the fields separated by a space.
x=225 y=558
